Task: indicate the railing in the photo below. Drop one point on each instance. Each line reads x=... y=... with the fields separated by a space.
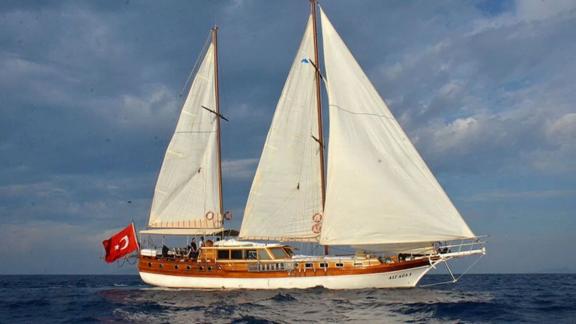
x=462 y=248
x=465 y=248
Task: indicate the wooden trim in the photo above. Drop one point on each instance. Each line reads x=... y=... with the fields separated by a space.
x=193 y=268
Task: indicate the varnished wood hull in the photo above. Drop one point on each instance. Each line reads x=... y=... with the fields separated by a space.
x=401 y=275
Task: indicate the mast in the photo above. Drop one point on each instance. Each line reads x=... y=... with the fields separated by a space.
x=313 y=4
x=214 y=34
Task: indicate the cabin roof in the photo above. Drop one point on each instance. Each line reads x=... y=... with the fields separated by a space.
x=234 y=243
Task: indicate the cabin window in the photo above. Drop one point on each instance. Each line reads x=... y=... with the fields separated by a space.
x=209 y=268
x=251 y=255
x=236 y=254
x=188 y=267
x=224 y=254
x=323 y=265
x=339 y=265
x=309 y=265
x=149 y=264
x=279 y=253
x=263 y=255
x=176 y=267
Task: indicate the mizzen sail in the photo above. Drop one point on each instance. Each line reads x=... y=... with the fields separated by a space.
x=286 y=191
x=187 y=191
x=379 y=190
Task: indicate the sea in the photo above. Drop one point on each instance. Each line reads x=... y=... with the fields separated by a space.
x=486 y=298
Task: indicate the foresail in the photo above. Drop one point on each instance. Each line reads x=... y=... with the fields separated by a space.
x=286 y=191
x=187 y=190
x=379 y=190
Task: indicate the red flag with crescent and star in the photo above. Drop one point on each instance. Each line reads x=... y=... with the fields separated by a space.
x=120 y=244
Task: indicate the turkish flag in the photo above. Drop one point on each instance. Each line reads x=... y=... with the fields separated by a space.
x=120 y=244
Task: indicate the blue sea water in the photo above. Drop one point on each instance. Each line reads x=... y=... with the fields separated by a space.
x=530 y=298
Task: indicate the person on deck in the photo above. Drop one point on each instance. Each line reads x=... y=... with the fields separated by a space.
x=201 y=243
x=193 y=249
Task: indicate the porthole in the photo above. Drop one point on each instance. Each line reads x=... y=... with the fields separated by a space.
x=209 y=268
x=339 y=265
x=150 y=264
x=176 y=267
x=188 y=267
x=201 y=268
x=161 y=265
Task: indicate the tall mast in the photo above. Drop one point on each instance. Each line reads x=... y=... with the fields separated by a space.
x=214 y=34
x=313 y=4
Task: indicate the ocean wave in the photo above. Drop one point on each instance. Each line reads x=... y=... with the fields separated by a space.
x=477 y=298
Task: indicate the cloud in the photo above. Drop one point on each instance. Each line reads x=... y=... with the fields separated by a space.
x=239 y=169
x=538 y=9
x=520 y=195
x=563 y=129
x=495 y=83
x=51 y=247
x=89 y=97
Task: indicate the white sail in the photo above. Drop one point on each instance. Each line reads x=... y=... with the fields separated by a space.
x=379 y=190
x=286 y=191
x=187 y=191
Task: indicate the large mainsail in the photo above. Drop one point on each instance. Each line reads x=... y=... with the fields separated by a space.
x=286 y=191
x=187 y=198
x=379 y=190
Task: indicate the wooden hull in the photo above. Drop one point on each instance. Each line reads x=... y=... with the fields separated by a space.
x=176 y=274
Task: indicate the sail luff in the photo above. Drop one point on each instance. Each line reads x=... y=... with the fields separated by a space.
x=379 y=190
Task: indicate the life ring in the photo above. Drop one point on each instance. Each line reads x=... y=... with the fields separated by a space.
x=209 y=215
x=228 y=215
x=316 y=228
x=317 y=218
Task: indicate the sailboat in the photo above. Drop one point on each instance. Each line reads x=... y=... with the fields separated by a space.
x=378 y=197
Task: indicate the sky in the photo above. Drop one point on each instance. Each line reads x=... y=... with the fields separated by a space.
x=90 y=92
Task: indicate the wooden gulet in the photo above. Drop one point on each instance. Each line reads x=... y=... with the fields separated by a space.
x=290 y=188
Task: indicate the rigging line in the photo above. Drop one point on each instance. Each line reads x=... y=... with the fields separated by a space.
x=196 y=65
x=470 y=267
x=361 y=113
x=454 y=279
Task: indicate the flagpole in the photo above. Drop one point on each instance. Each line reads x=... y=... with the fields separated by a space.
x=136 y=236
